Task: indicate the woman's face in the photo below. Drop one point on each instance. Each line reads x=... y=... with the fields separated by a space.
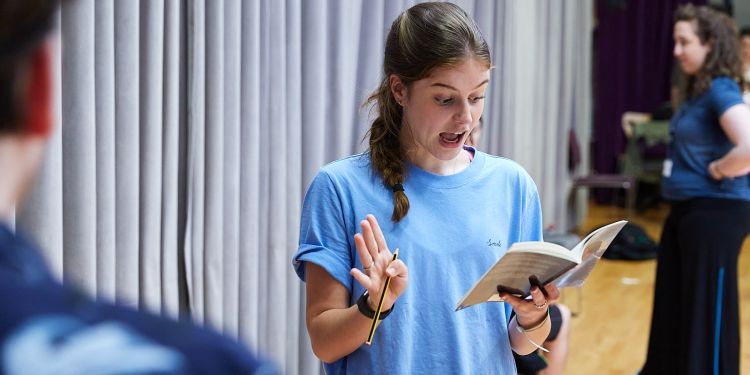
x=746 y=50
x=688 y=49
x=475 y=135
x=441 y=110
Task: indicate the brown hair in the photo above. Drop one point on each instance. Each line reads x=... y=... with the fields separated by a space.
x=23 y=26
x=424 y=37
x=723 y=59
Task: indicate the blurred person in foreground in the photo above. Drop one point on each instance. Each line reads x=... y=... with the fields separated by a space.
x=46 y=327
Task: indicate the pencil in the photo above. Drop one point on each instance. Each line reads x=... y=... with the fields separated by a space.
x=376 y=317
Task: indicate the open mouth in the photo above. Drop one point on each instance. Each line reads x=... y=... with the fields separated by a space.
x=451 y=138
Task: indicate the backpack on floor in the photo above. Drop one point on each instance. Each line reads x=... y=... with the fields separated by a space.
x=632 y=243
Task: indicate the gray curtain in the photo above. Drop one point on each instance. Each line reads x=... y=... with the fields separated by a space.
x=107 y=207
x=190 y=129
x=540 y=90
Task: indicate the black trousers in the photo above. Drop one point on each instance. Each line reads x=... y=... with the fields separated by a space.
x=695 y=326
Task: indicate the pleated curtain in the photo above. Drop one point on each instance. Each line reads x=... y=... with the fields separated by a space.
x=107 y=208
x=190 y=129
x=540 y=90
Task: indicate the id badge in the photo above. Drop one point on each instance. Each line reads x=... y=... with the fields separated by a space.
x=667 y=168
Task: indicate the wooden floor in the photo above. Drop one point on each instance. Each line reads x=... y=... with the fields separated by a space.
x=609 y=334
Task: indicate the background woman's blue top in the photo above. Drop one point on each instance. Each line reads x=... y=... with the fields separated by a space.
x=697 y=140
x=456 y=228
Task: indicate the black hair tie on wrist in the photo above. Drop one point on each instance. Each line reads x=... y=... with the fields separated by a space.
x=367 y=311
x=397 y=188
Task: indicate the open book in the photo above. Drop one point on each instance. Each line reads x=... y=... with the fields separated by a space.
x=539 y=263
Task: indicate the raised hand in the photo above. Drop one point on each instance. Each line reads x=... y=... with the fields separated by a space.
x=376 y=259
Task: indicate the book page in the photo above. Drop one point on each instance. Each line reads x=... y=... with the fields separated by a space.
x=545 y=248
x=511 y=273
x=591 y=248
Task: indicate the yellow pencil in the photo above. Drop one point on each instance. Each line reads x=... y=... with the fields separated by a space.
x=376 y=317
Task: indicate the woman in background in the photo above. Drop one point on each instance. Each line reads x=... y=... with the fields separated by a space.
x=695 y=324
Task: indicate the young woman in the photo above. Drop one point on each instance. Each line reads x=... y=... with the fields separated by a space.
x=695 y=322
x=418 y=173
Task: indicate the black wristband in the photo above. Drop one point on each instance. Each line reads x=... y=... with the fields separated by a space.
x=365 y=309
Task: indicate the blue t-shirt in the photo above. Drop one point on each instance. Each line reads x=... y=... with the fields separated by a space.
x=697 y=140
x=456 y=228
x=49 y=328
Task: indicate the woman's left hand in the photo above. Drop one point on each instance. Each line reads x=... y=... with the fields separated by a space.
x=530 y=312
x=714 y=172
